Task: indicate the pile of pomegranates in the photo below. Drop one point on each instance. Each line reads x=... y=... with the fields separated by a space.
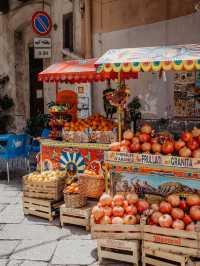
x=146 y=141
x=176 y=212
x=119 y=209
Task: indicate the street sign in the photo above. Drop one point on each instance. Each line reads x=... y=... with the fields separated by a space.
x=42 y=42
x=41 y=23
x=42 y=53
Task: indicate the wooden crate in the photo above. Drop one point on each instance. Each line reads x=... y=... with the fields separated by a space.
x=171 y=240
x=163 y=258
x=44 y=208
x=77 y=216
x=52 y=190
x=120 y=250
x=116 y=231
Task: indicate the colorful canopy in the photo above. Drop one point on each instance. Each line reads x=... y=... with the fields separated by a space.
x=178 y=57
x=77 y=71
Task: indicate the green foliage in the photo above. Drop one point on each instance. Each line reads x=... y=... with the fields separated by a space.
x=6 y=103
x=134 y=110
x=36 y=124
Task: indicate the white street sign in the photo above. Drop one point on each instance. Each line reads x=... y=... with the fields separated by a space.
x=42 y=42
x=42 y=53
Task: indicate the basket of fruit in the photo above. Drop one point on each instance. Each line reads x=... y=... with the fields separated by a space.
x=73 y=198
x=92 y=182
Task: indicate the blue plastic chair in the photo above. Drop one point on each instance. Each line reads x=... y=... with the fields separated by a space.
x=14 y=149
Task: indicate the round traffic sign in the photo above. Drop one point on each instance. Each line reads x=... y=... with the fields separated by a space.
x=41 y=23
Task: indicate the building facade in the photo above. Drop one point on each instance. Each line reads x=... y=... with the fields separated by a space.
x=88 y=28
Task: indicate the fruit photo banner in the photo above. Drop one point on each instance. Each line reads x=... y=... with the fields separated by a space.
x=153 y=160
x=73 y=160
x=178 y=57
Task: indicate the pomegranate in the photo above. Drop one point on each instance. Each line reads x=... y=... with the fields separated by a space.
x=135 y=140
x=155 y=217
x=182 y=204
x=118 y=200
x=132 y=198
x=155 y=206
x=196 y=154
x=124 y=148
x=130 y=219
x=98 y=212
x=165 y=207
x=186 y=136
x=146 y=147
x=178 y=224
x=117 y=220
x=125 y=204
x=185 y=152
x=143 y=137
x=131 y=209
x=179 y=144
x=174 y=200
x=195 y=213
x=193 y=199
x=105 y=220
x=142 y=205
x=105 y=200
x=118 y=211
x=177 y=213
x=125 y=142
x=128 y=134
x=146 y=129
x=155 y=140
x=107 y=211
x=193 y=144
x=190 y=227
x=135 y=147
x=156 y=147
x=168 y=147
x=165 y=220
x=187 y=219
x=196 y=132
x=115 y=146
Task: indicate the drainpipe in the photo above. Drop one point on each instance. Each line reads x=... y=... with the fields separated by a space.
x=88 y=29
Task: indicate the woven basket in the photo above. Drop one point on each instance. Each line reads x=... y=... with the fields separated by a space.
x=91 y=186
x=74 y=200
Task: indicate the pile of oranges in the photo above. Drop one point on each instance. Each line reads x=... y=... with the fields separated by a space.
x=96 y=122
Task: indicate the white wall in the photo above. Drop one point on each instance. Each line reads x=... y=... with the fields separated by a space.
x=156 y=96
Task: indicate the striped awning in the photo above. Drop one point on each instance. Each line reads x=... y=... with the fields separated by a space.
x=78 y=71
x=177 y=57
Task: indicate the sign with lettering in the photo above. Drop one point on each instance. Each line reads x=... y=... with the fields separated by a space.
x=150 y=159
x=42 y=53
x=40 y=42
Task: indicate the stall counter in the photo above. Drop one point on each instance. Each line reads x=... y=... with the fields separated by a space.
x=72 y=157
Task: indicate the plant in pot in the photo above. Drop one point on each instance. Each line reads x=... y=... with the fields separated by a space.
x=6 y=103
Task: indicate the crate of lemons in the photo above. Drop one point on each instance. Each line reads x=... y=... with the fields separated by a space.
x=46 y=176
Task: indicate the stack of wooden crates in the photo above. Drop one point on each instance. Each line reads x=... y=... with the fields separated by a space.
x=43 y=198
x=118 y=242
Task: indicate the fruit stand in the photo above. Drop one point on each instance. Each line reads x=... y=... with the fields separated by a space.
x=163 y=170
x=83 y=140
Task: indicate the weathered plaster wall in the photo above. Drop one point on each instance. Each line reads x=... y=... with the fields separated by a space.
x=156 y=95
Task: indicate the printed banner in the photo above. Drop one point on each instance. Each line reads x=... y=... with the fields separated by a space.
x=150 y=159
x=72 y=160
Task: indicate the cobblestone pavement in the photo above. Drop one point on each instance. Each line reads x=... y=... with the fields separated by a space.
x=31 y=241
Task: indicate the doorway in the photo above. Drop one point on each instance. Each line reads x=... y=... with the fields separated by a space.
x=36 y=87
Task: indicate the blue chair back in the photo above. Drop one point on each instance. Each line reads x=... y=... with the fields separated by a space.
x=16 y=146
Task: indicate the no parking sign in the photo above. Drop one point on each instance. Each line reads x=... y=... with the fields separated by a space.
x=41 y=23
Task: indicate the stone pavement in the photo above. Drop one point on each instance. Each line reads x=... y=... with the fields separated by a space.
x=31 y=241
